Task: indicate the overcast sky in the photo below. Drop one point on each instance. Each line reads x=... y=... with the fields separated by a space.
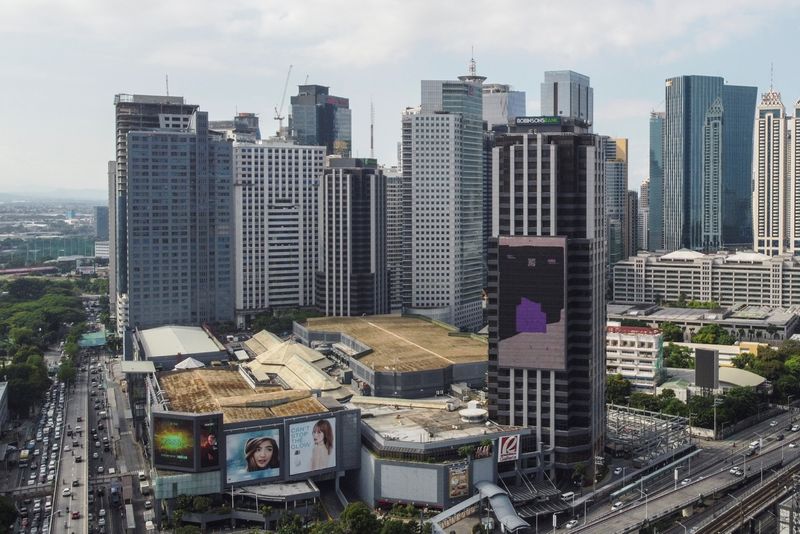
x=64 y=60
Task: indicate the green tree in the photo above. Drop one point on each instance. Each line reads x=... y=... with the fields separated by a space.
x=644 y=401
x=678 y=356
x=396 y=526
x=357 y=518
x=8 y=514
x=66 y=372
x=188 y=529
x=290 y=523
x=713 y=334
x=671 y=332
x=325 y=527
x=617 y=389
x=201 y=503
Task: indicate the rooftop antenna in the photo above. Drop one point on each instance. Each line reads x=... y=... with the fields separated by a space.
x=472 y=66
x=770 y=75
x=371 y=128
x=167 y=76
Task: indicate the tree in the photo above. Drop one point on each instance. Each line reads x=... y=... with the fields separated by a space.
x=357 y=518
x=266 y=511
x=713 y=334
x=396 y=526
x=201 y=503
x=671 y=332
x=325 y=527
x=617 y=389
x=8 y=514
x=290 y=523
x=66 y=372
x=678 y=356
x=188 y=529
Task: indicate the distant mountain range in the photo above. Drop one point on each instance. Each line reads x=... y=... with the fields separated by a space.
x=97 y=196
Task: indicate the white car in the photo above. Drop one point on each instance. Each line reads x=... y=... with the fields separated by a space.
x=618 y=471
x=572 y=523
x=101 y=522
x=66 y=492
x=773 y=423
x=792 y=445
x=617 y=505
x=686 y=481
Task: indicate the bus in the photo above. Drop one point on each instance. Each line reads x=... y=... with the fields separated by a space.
x=755 y=445
x=24 y=456
x=130 y=519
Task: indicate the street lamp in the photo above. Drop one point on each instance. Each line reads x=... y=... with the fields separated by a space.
x=685 y=530
x=555 y=521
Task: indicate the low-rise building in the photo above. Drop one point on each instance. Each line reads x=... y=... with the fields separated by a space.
x=682 y=382
x=636 y=353
x=167 y=346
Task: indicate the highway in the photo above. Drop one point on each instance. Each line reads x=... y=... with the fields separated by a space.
x=709 y=475
x=70 y=470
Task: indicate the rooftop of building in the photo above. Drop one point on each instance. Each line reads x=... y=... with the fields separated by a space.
x=226 y=391
x=420 y=421
x=730 y=376
x=740 y=314
x=614 y=329
x=718 y=258
x=405 y=343
x=295 y=365
x=174 y=340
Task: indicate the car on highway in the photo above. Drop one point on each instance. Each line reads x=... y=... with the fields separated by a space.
x=795 y=428
x=148 y=505
x=100 y=469
x=618 y=471
x=792 y=445
x=686 y=481
x=773 y=423
x=66 y=492
x=101 y=522
x=76 y=515
x=572 y=523
x=617 y=505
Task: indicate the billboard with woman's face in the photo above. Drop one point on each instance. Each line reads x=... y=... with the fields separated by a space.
x=312 y=446
x=252 y=455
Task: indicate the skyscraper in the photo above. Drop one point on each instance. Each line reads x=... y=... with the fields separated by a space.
x=776 y=171
x=631 y=223
x=351 y=273
x=101 y=223
x=319 y=118
x=443 y=175
x=276 y=217
x=644 y=216
x=565 y=93
x=655 y=204
x=178 y=224
x=134 y=112
x=501 y=104
x=546 y=309
x=616 y=159
x=706 y=135
x=394 y=235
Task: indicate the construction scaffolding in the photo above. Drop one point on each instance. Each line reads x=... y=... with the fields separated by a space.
x=644 y=436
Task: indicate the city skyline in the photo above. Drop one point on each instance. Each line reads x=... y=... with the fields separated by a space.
x=208 y=62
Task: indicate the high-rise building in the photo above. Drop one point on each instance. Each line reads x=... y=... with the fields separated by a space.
x=616 y=159
x=707 y=135
x=631 y=223
x=655 y=203
x=101 y=223
x=178 y=224
x=276 y=190
x=643 y=223
x=133 y=112
x=352 y=273
x=111 y=175
x=443 y=176
x=501 y=104
x=394 y=236
x=776 y=171
x=565 y=93
x=319 y=118
x=244 y=127
x=546 y=290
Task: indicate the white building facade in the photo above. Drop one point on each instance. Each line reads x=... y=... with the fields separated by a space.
x=636 y=353
x=275 y=212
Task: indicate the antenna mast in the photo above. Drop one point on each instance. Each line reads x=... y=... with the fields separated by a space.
x=167 y=76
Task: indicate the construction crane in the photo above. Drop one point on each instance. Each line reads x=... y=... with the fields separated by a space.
x=279 y=111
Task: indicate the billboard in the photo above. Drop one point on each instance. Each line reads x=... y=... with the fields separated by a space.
x=312 y=446
x=459 y=480
x=706 y=371
x=531 y=302
x=508 y=448
x=252 y=455
x=208 y=437
x=173 y=442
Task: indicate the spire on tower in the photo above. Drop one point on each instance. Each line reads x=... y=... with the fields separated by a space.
x=472 y=76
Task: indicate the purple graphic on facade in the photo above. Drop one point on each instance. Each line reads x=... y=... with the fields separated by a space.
x=530 y=317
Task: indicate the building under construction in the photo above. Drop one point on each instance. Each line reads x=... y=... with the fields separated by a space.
x=643 y=436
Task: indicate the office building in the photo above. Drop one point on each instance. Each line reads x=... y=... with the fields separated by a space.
x=319 y=118
x=776 y=193
x=708 y=133
x=631 y=233
x=443 y=180
x=179 y=265
x=501 y=104
x=133 y=112
x=276 y=199
x=546 y=291
x=244 y=127
x=565 y=93
x=111 y=176
x=616 y=159
x=655 y=204
x=643 y=222
x=351 y=277
x=636 y=353
x=394 y=235
x=101 y=223
x=725 y=278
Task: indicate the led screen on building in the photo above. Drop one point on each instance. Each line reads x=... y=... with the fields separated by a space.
x=208 y=445
x=458 y=481
x=312 y=446
x=173 y=442
x=253 y=455
x=531 y=302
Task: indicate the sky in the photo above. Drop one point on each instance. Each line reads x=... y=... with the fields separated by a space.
x=64 y=60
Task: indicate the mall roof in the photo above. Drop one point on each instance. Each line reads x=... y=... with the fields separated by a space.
x=297 y=366
x=173 y=340
x=226 y=391
x=405 y=343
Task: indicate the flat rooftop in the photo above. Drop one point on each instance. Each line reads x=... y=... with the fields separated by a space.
x=409 y=422
x=226 y=391
x=755 y=315
x=404 y=343
x=173 y=340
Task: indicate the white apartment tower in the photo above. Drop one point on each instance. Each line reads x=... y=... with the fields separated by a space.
x=776 y=194
x=275 y=212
